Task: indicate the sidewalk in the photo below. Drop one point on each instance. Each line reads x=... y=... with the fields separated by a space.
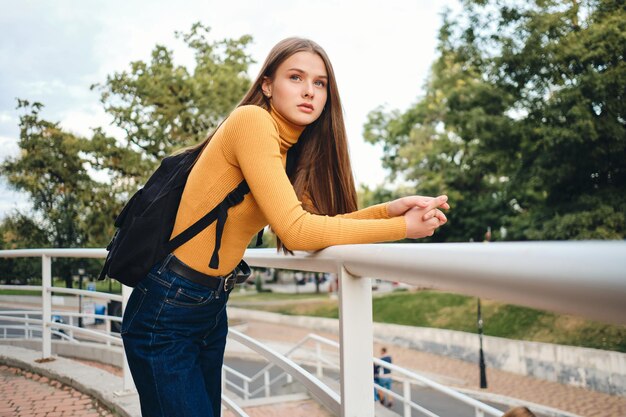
x=24 y=394
x=465 y=375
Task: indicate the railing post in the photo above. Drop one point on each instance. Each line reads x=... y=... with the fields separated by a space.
x=46 y=306
x=107 y=328
x=406 y=394
x=246 y=390
x=318 y=352
x=356 y=345
x=71 y=332
x=266 y=381
x=479 y=413
x=129 y=384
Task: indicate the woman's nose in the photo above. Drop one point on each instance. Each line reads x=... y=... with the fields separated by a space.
x=308 y=91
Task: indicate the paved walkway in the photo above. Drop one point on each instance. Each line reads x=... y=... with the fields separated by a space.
x=308 y=408
x=465 y=375
x=24 y=394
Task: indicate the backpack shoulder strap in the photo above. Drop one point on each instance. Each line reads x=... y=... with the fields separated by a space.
x=219 y=213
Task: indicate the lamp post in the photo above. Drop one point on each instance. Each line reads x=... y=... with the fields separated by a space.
x=81 y=275
x=481 y=361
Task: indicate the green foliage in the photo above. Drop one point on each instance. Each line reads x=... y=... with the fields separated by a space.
x=51 y=171
x=20 y=231
x=456 y=312
x=161 y=107
x=513 y=322
x=419 y=310
x=522 y=123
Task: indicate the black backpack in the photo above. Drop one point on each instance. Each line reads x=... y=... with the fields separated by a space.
x=146 y=222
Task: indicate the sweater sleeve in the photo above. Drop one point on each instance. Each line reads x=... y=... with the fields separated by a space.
x=378 y=211
x=255 y=144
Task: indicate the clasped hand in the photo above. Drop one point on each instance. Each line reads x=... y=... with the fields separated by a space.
x=422 y=214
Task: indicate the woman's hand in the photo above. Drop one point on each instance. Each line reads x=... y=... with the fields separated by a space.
x=400 y=206
x=422 y=222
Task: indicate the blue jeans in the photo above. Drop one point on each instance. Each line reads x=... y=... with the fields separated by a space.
x=174 y=334
x=385 y=382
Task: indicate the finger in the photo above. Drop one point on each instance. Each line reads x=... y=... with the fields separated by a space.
x=436 y=202
x=442 y=217
x=419 y=201
x=433 y=223
x=429 y=215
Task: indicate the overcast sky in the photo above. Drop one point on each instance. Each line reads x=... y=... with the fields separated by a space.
x=52 y=51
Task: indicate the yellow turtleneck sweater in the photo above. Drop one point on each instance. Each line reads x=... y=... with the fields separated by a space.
x=252 y=143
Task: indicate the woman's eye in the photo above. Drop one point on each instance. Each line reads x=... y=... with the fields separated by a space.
x=295 y=77
x=320 y=83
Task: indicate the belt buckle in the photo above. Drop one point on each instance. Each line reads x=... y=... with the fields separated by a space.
x=229 y=282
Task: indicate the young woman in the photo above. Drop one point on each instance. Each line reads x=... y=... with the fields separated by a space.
x=175 y=324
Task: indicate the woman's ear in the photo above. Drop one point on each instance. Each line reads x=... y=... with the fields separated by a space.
x=266 y=86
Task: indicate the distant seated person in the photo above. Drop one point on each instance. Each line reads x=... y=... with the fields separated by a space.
x=376 y=381
x=519 y=412
x=385 y=379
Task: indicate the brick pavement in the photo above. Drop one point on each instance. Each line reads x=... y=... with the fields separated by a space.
x=24 y=394
x=307 y=408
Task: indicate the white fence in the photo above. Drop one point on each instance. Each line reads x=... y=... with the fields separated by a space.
x=582 y=278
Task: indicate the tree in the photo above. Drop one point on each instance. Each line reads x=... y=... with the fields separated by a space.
x=163 y=107
x=51 y=171
x=20 y=231
x=522 y=122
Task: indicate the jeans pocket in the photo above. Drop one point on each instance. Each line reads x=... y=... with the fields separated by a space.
x=132 y=307
x=188 y=294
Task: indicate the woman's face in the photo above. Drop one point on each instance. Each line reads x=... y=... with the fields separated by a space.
x=299 y=88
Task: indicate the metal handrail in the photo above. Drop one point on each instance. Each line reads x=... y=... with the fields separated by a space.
x=232 y=406
x=327 y=397
x=266 y=368
x=62 y=290
x=87 y=293
x=411 y=403
x=33 y=288
x=310 y=336
x=407 y=373
x=581 y=278
x=92 y=333
x=439 y=387
x=585 y=278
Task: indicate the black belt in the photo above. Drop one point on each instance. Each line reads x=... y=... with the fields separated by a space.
x=238 y=275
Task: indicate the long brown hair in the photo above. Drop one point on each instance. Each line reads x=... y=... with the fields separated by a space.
x=519 y=412
x=318 y=165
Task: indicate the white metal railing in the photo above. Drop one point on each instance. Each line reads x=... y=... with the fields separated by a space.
x=407 y=378
x=14 y=316
x=326 y=396
x=583 y=278
x=263 y=375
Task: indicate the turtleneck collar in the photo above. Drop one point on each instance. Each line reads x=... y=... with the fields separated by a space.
x=288 y=132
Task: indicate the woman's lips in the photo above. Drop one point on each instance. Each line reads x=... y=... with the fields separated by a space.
x=307 y=108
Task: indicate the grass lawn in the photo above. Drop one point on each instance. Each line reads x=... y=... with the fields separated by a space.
x=454 y=312
x=433 y=309
x=101 y=286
